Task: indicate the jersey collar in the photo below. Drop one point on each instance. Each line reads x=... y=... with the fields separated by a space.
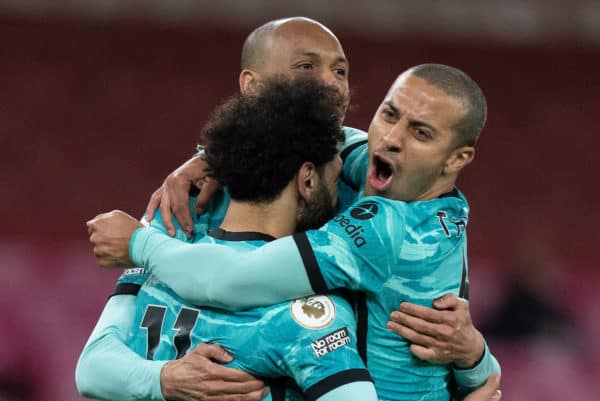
x=219 y=233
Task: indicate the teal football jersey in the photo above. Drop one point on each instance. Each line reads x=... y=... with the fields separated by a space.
x=310 y=340
x=388 y=251
x=393 y=251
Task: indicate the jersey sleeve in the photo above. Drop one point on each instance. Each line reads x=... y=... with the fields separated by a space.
x=355 y=156
x=344 y=253
x=130 y=281
x=217 y=275
x=107 y=369
x=355 y=391
x=320 y=346
x=357 y=249
x=468 y=380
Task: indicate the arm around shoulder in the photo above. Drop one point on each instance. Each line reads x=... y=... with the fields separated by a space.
x=220 y=276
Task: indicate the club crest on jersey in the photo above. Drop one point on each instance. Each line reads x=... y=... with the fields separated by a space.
x=313 y=312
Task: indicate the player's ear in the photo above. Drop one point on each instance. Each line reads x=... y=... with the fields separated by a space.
x=459 y=158
x=248 y=80
x=307 y=180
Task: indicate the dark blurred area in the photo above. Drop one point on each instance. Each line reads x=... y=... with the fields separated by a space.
x=100 y=100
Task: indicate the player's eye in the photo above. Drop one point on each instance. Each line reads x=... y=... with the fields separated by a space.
x=305 y=66
x=340 y=71
x=421 y=134
x=388 y=114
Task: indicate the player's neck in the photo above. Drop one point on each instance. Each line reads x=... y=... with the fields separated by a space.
x=275 y=218
x=437 y=189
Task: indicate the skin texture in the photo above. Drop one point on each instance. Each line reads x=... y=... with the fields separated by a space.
x=412 y=134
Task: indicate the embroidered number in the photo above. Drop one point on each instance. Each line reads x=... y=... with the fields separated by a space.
x=460 y=224
x=153 y=323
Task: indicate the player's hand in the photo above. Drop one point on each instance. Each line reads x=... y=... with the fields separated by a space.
x=441 y=335
x=173 y=196
x=489 y=392
x=110 y=234
x=196 y=377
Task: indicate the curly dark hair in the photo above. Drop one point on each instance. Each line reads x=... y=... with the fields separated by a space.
x=255 y=143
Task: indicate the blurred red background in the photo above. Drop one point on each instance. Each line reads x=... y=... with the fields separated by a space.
x=95 y=113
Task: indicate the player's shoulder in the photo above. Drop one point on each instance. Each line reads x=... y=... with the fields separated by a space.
x=354 y=134
x=354 y=140
x=453 y=200
x=378 y=208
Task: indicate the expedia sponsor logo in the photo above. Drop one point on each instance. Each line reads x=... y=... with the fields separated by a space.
x=330 y=342
x=353 y=230
x=364 y=211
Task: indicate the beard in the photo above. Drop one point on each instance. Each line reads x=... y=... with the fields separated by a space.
x=317 y=211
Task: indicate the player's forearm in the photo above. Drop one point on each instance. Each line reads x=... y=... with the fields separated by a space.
x=469 y=379
x=107 y=369
x=219 y=276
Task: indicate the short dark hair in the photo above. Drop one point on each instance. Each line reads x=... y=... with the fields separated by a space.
x=255 y=143
x=456 y=83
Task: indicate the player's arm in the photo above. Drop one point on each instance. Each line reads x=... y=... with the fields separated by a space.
x=107 y=369
x=291 y=267
x=217 y=275
x=444 y=335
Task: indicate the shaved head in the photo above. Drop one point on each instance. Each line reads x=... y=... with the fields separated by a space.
x=295 y=47
x=256 y=44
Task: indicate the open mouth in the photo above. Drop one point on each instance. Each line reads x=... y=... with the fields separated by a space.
x=380 y=173
x=383 y=169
